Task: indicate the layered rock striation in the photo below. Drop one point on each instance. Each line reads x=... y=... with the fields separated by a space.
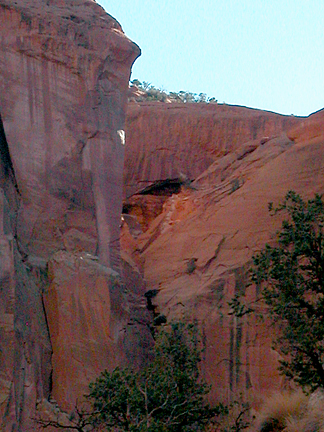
x=64 y=72
x=197 y=180
x=181 y=140
x=196 y=252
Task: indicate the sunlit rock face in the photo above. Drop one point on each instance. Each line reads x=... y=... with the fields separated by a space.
x=64 y=72
x=196 y=252
x=167 y=141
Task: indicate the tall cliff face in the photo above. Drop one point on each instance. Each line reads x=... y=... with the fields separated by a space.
x=167 y=141
x=196 y=252
x=64 y=72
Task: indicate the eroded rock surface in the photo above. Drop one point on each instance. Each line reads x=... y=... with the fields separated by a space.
x=77 y=297
x=167 y=141
x=196 y=252
x=64 y=72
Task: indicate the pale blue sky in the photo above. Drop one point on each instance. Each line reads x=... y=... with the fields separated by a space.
x=265 y=54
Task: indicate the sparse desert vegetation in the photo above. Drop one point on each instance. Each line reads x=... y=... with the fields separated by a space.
x=145 y=91
x=292 y=411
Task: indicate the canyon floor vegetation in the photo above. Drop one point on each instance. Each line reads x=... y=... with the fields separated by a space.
x=291 y=277
x=290 y=281
x=168 y=395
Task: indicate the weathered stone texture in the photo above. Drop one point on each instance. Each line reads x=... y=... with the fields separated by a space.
x=86 y=312
x=197 y=251
x=167 y=141
x=64 y=72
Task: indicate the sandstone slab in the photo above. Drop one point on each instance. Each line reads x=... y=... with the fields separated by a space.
x=86 y=310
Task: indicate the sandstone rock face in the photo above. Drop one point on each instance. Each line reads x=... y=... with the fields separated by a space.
x=166 y=141
x=64 y=72
x=6 y=308
x=85 y=309
x=196 y=253
x=71 y=304
x=310 y=130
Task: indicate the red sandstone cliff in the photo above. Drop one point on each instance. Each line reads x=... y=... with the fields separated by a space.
x=165 y=141
x=197 y=247
x=64 y=309
x=64 y=72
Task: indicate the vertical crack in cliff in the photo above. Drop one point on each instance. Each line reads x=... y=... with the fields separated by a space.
x=8 y=171
x=9 y=183
x=30 y=369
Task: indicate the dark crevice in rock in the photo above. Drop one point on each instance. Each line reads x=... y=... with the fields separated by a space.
x=8 y=183
x=146 y=204
x=149 y=295
x=6 y=165
x=29 y=369
x=165 y=187
x=126 y=208
x=158 y=319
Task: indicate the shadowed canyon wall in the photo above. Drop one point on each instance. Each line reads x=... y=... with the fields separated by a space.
x=64 y=310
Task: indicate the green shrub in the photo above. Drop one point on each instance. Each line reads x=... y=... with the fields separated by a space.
x=291 y=277
x=167 y=396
